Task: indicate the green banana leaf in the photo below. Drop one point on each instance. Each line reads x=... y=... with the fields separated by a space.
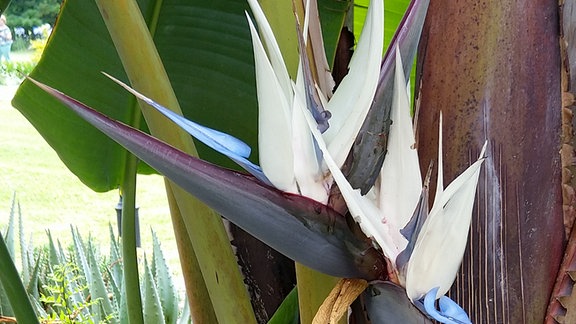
x=394 y=10
x=287 y=313
x=207 y=52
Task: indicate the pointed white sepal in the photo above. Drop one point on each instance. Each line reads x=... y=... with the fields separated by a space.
x=307 y=166
x=274 y=121
x=363 y=209
x=400 y=182
x=272 y=47
x=350 y=103
x=440 y=246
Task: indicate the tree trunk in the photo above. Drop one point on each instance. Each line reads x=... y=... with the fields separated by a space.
x=493 y=69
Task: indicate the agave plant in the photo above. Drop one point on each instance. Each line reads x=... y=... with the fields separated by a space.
x=79 y=285
x=392 y=237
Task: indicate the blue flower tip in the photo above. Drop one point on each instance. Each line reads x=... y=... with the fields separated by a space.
x=449 y=312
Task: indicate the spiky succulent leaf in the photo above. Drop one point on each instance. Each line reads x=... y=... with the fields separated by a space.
x=80 y=255
x=115 y=288
x=54 y=255
x=32 y=285
x=24 y=251
x=185 y=314
x=116 y=270
x=97 y=286
x=10 y=236
x=165 y=286
x=13 y=288
x=153 y=312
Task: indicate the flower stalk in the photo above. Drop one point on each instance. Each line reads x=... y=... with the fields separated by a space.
x=146 y=72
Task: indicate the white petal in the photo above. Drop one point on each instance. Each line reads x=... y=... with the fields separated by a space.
x=352 y=99
x=272 y=48
x=440 y=178
x=400 y=179
x=312 y=21
x=362 y=209
x=442 y=240
x=307 y=167
x=274 y=121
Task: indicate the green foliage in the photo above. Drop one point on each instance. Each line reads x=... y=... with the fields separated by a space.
x=81 y=285
x=166 y=290
x=3 y=5
x=287 y=313
x=20 y=44
x=62 y=284
x=151 y=300
x=15 y=70
x=31 y=13
x=14 y=300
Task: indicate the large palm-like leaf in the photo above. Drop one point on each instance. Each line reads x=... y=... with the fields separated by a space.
x=189 y=36
x=206 y=50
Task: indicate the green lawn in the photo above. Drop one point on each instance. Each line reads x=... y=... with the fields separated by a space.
x=51 y=197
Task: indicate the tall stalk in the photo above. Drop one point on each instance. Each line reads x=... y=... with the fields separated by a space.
x=206 y=232
x=129 y=256
x=494 y=71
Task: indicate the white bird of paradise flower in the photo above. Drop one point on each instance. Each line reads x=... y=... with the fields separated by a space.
x=424 y=247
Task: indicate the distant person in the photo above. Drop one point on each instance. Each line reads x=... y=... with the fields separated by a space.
x=5 y=39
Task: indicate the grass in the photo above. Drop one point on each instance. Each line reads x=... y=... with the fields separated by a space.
x=52 y=198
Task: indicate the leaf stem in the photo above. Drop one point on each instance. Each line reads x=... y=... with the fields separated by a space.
x=201 y=308
x=129 y=256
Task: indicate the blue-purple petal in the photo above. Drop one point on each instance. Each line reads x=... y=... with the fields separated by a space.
x=232 y=147
x=449 y=312
x=226 y=144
